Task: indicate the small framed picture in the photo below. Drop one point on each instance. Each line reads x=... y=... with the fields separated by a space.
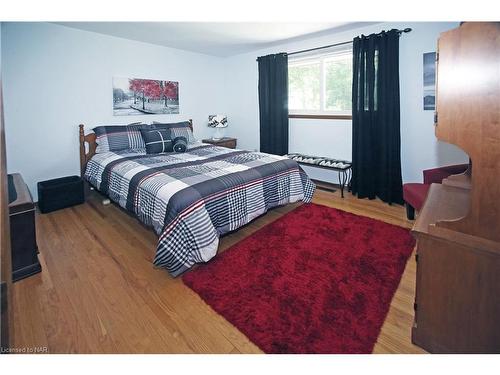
x=429 y=81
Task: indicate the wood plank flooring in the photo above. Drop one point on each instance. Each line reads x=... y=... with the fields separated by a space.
x=99 y=293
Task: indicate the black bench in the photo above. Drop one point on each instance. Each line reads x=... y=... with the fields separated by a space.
x=343 y=167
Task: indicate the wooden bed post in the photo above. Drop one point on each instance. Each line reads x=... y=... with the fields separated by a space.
x=84 y=154
x=82 y=149
x=92 y=146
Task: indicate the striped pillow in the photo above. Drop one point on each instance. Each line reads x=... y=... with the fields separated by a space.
x=119 y=137
x=157 y=141
x=177 y=129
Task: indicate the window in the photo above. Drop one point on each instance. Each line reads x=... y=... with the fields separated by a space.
x=321 y=84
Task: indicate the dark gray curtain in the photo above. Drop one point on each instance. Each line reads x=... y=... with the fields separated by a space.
x=376 y=141
x=273 y=103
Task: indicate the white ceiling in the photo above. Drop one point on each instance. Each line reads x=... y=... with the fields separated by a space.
x=212 y=38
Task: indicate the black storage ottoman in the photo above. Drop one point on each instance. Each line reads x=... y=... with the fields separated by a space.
x=60 y=193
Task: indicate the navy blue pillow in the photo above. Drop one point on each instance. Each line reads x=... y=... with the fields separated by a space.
x=180 y=144
x=157 y=140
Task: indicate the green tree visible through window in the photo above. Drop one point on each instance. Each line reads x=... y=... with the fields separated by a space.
x=304 y=86
x=321 y=84
x=338 y=85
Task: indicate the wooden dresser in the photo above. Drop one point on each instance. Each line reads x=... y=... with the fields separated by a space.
x=457 y=303
x=22 y=230
x=5 y=254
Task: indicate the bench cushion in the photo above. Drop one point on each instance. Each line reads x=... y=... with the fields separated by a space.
x=320 y=161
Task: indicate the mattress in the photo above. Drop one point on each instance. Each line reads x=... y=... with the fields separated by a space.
x=190 y=199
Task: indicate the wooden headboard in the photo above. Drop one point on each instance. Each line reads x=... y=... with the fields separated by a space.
x=88 y=146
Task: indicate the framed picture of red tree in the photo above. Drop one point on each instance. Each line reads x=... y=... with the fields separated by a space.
x=136 y=96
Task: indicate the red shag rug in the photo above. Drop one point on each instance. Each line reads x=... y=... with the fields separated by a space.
x=317 y=280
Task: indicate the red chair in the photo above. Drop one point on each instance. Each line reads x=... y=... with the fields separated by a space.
x=414 y=194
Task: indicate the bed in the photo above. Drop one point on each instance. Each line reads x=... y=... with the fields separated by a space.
x=190 y=199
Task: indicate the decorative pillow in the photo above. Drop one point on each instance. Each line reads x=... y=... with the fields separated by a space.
x=119 y=137
x=180 y=144
x=177 y=129
x=157 y=141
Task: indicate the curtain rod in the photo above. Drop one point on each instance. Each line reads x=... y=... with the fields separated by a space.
x=406 y=30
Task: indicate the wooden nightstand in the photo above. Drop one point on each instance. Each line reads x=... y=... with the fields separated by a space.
x=223 y=142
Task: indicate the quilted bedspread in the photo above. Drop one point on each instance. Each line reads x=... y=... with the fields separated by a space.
x=192 y=198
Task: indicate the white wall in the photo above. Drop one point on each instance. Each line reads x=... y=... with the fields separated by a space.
x=420 y=149
x=57 y=77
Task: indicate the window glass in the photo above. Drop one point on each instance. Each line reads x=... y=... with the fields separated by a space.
x=338 y=84
x=321 y=83
x=304 y=86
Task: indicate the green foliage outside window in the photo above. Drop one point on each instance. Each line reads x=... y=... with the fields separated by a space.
x=304 y=86
x=322 y=84
x=338 y=85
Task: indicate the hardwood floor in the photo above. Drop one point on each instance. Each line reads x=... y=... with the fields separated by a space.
x=99 y=293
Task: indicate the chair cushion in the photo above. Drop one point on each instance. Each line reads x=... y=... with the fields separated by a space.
x=414 y=194
x=437 y=175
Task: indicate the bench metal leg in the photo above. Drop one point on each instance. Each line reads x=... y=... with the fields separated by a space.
x=350 y=179
x=343 y=178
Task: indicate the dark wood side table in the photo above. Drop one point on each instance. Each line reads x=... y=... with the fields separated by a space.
x=223 y=142
x=22 y=230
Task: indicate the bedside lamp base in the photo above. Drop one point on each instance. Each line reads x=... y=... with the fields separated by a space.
x=218 y=134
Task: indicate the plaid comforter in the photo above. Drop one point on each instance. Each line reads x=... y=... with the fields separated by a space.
x=192 y=198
